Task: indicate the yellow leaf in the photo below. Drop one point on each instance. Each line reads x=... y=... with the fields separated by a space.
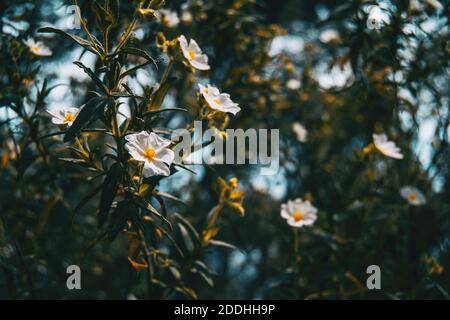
x=138 y=266
x=5 y=159
x=237 y=207
x=143 y=189
x=210 y=233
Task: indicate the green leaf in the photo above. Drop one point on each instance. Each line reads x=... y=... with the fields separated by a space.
x=93 y=76
x=109 y=191
x=175 y=164
x=169 y=196
x=139 y=53
x=218 y=243
x=189 y=227
x=172 y=240
x=82 y=42
x=73 y=160
x=148 y=207
x=207 y=278
x=152 y=113
x=189 y=244
x=86 y=198
x=88 y=114
x=133 y=69
x=158 y=96
x=119 y=217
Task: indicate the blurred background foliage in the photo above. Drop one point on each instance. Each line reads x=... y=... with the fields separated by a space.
x=318 y=63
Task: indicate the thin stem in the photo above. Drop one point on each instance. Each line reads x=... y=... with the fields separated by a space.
x=149 y=264
x=297 y=258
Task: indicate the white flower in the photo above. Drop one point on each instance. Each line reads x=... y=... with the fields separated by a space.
x=329 y=36
x=388 y=148
x=152 y=150
x=186 y=15
x=377 y=18
x=168 y=18
x=413 y=195
x=293 y=84
x=217 y=100
x=38 y=48
x=299 y=213
x=64 y=115
x=300 y=132
x=193 y=54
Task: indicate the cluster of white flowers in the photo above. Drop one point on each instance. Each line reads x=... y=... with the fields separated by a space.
x=198 y=60
x=149 y=148
x=299 y=213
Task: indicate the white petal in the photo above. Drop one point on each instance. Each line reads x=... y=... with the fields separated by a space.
x=405 y=191
x=297 y=224
x=155 y=168
x=193 y=46
x=388 y=148
x=213 y=90
x=165 y=155
x=58 y=121
x=300 y=132
x=200 y=64
x=135 y=151
x=157 y=142
x=184 y=46
x=379 y=138
x=285 y=212
x=202 y=89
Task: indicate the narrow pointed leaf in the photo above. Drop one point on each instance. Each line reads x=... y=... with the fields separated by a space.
x=93 y=76
x=109 y=191
x=89 y=113
x=82 y=42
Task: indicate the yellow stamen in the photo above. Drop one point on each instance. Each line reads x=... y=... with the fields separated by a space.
x=35 y=49
x=150 y=153
x=69 y=117
x=217 y=101
x=412 y=196
x=370 y=148
x=297 y=215
x=234 y=183
x=192 y=54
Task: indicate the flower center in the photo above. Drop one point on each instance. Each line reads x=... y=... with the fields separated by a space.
x=192 y=54
x=412 y=196
x=217 y=101
x=35 y=49
x=150 y=153
x=69 y=117
x=297 y=215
